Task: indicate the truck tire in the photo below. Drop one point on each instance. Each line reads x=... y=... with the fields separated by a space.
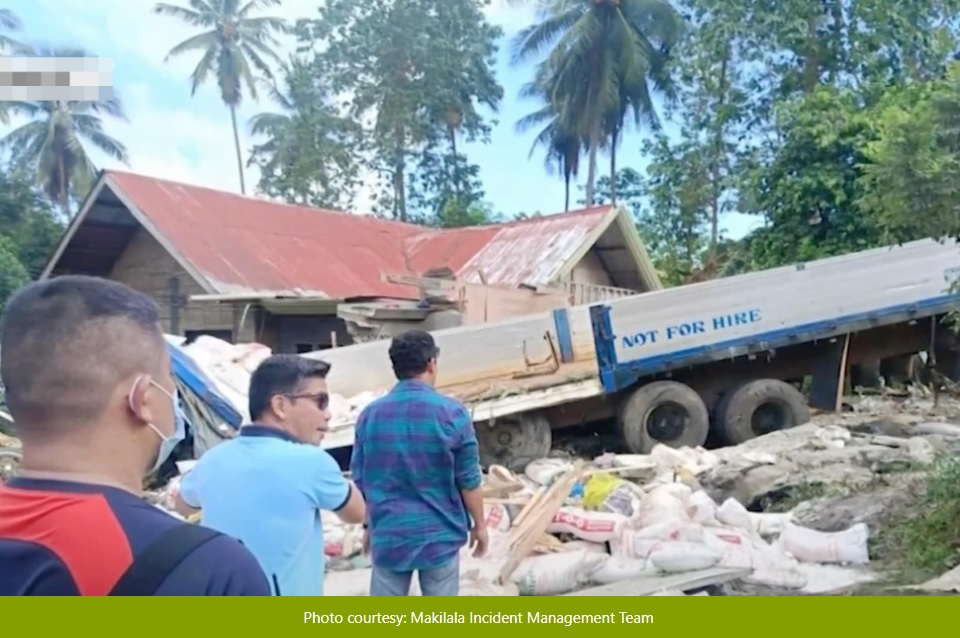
x=666 y=412
x=515 y=441
x=759 y=407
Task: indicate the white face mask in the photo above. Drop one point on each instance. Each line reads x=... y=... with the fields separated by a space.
x=167 y=443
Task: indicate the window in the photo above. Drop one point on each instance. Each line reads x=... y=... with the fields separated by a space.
x=224 y=335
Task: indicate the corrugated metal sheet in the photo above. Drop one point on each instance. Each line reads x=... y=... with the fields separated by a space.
x=244 y=245
x=532 y=252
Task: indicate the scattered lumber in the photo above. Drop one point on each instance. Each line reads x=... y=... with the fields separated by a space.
x=532 y=523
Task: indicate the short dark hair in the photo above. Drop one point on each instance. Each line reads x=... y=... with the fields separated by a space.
x=281 y=374
x=410 y=353
x=66 y=342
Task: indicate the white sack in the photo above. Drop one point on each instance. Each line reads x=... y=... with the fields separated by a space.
x=811 y=546
x=596 y=527
x=675 y=557
x=734 y=514
x=618 y=568
x=555 y=574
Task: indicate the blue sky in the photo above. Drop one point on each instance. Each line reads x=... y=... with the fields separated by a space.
x=173 y=136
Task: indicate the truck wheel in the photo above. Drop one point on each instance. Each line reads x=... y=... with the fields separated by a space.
x=666 y=412
x=759 y=407
x=514 y=441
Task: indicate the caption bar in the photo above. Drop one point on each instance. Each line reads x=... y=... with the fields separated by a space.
x=471 y=618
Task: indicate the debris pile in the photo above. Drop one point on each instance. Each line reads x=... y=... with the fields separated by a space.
x=229 y=367
x=567 y=525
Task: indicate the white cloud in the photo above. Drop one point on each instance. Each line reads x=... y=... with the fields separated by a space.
x=192 y=141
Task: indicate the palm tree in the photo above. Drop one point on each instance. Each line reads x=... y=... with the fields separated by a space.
x=10 y=22
x=51 y=145
x=231 y=42
x=601 y=54
x=564 y=148
x=307 y=142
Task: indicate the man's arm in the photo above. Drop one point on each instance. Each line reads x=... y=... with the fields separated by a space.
x=187 y=499
x=467 y=465
x=331 y=491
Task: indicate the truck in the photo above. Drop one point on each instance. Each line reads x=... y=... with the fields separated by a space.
x=722 y=360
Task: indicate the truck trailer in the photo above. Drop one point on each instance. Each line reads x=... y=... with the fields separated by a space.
x=721 y=360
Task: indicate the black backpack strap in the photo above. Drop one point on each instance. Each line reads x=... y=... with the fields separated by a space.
x=148 y=571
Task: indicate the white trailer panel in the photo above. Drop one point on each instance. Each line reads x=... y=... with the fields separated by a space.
x=758 y=307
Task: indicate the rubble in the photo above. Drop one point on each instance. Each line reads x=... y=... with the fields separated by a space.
x=789 y=512
x=229 y=367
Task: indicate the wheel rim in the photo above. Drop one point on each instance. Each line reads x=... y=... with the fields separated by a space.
x=667 y=422
x=770 y=417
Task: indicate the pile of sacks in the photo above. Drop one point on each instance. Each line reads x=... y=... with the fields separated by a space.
x=611 y=530
x=229 y=367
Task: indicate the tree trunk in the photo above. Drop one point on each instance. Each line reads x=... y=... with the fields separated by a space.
x=236 y=145
x=614 y=136
x=399 y=177
x=64 y=187
x=592 y=166
x=715 y=169
x=566 y=190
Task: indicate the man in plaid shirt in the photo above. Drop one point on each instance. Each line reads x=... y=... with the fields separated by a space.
x=415 y=460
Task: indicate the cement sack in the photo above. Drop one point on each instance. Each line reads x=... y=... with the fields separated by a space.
x=640 y=543
x=544 y=471
x=811 y=546
x=702 y=509
x=682 y=530
x=497 y=517
x=770 y=524
x=663 y=503
x=742 y=550
x=734 y=514
x=555 y=574
x=618 y=568
x=596 y=527
x=593 y=548
x=356 y=582
x=677 y=557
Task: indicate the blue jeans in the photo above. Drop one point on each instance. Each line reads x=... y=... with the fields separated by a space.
x=440 y=581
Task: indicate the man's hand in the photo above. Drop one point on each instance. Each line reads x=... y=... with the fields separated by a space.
x=479 y=540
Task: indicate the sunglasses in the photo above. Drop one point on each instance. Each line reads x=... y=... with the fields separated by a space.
x=322 y=399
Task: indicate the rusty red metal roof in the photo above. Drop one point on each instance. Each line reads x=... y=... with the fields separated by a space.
x=244 y=245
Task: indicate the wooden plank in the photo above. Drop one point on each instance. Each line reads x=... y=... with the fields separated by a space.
x=526 y=536
x=530 y=506
x=842 y=373
x=647 y=585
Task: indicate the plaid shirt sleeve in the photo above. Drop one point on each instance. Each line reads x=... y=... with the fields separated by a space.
x=466 y=454
x=356 y=457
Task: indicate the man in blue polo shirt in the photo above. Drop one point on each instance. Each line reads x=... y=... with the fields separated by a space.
x=267 y=486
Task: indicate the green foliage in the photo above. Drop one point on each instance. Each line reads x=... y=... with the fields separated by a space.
x=600 y=63
x=925 y=543
x=28 y=222
x=310 y=153
x=418 y=74
x=13 y=275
